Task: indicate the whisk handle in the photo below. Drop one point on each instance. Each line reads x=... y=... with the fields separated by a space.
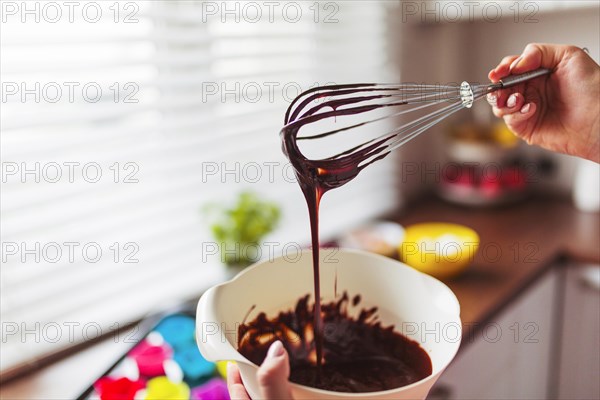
x=516 y=79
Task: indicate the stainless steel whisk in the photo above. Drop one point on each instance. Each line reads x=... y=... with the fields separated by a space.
x=333 y=101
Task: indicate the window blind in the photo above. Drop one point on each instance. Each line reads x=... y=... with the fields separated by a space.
x=120 y=121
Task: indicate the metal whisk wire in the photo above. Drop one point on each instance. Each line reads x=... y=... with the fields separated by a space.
x=334 y=101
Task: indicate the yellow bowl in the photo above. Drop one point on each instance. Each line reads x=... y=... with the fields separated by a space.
x=439 y=249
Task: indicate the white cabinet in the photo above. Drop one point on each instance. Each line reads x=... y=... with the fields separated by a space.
x=579 y=376
x=511 y=357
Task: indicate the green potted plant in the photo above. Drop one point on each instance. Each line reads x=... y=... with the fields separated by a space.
x=238 y=230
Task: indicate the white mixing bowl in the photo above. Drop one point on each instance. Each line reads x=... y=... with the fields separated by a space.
x=419 y=306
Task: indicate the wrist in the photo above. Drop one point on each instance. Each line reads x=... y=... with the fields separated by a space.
x=594 y=145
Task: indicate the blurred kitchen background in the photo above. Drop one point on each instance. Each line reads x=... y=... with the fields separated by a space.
x=124 y=123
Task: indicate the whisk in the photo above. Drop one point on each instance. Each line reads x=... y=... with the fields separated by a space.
x=334 y=101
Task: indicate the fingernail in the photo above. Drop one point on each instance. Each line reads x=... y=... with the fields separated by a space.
x=229 y=367
x=492 y=99
x=275 y=350
x=525 y=108
x=512 y=101
x=515 y=63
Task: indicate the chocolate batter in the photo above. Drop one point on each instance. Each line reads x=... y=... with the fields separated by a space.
x=359 y=354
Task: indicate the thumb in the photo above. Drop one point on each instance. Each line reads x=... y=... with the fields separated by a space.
x=538 y=55
x=274 y=372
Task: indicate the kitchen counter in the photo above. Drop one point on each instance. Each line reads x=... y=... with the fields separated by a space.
x=519 y=243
